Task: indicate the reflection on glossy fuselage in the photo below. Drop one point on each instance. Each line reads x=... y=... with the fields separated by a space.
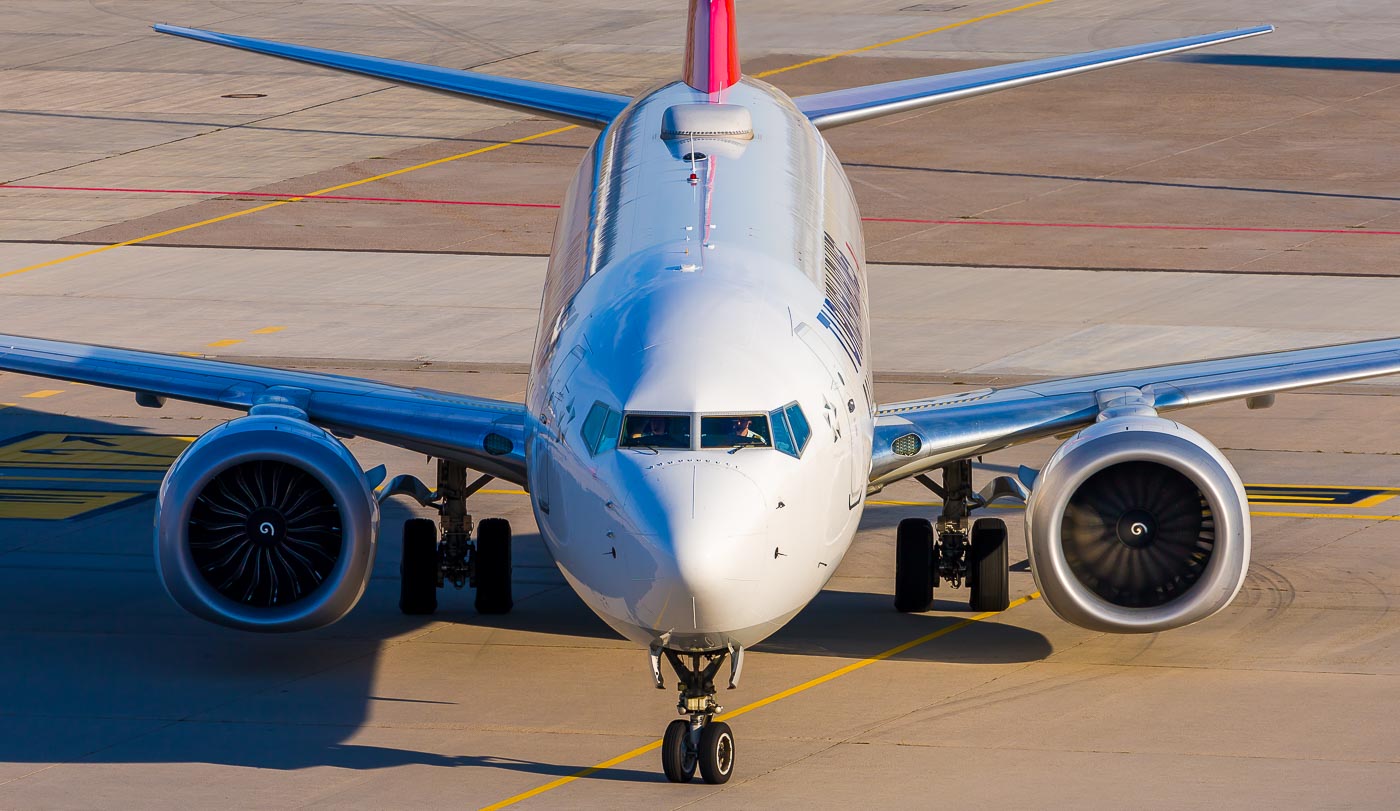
x=726 y=284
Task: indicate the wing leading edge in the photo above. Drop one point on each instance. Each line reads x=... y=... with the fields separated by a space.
x=961 y=426
x=588 y=108
x=860 y=103
x=465 y=429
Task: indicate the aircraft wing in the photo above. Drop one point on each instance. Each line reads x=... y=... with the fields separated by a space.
x=485 y=435
x=917 y=435
x=860 y=103
x=588 y=108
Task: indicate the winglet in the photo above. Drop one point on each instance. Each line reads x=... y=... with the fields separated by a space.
x=711 y=46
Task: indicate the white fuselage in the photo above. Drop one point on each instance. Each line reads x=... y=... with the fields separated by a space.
x=740 y=290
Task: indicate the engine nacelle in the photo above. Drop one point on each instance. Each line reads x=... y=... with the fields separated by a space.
x=1138 y=524
x=266 y=523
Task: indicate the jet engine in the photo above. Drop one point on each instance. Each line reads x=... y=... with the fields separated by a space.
x=266 y=523
x=1138 y=524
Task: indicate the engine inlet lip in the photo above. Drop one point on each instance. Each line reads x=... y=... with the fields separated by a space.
x=1077 y=603
x=246 y=439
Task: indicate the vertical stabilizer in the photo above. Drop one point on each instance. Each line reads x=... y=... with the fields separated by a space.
x=711 y=46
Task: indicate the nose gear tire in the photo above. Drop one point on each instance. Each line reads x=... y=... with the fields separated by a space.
x=419 y=567
x=988 y=566
x=913 y=566
x=716 y=752
x=678 y=757
x=492 y=567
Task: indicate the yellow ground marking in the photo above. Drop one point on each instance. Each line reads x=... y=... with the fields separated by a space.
x=763 y=702
x=224 y=342
x=1355 y=517
x=93 y=451
x=1266 y=513
x=265 y=207
x=898 y=40
x=43 y=393
x=56 y=505
x=1378 y=495
x=268 y=330
x=191 y=354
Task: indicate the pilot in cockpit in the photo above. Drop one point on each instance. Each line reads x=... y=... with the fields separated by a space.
x=652 y=428
x=741 y=429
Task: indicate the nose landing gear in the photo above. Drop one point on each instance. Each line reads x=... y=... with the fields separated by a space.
x=700 y=742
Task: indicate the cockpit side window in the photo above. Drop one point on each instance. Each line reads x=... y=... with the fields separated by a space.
x=801 y=431
x=790 y=430
x=656 y=431
x=734 y=431
x=599 y=431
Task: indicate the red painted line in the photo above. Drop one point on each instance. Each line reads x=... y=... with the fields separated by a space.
x=282 y=196
x=909 y=220
x=1136 y=227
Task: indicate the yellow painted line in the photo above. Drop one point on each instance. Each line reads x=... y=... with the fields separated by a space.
x=1353 y=516
x=897 y=41
x=225 y=342
x=43 y=393
x=505 y=492
x=1349 y=516
x=57 y=505
x=7 y=405
x=265 y=207
x=268 y=330
x=1331 y=486
x=93 y=451
x=763 y=702
x=190 y=354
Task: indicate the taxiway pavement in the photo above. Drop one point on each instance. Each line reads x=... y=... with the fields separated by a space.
x=1270 y=163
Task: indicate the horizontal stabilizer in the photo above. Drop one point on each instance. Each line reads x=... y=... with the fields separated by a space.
x=860 y=103
x=589 y=108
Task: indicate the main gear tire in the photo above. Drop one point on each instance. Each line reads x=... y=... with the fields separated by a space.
x=492 y=567
x=418 y=569
x=988 y=566
x=914 y=578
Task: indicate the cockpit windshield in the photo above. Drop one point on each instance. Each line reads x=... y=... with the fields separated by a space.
x=735 y=431
x=656 y=431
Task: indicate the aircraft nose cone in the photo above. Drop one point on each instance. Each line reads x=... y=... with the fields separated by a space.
x=713 y=519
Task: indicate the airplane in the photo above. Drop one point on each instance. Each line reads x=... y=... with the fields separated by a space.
x=700 y=433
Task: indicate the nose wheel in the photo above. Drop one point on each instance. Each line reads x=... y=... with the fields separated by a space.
x=700 y=743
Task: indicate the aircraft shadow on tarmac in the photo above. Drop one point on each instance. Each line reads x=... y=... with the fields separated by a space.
x=100 y=666
x=1344 y=63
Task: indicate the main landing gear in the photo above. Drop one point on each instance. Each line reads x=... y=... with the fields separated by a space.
x=430 y=560
x=964 y=550
x=701 y=742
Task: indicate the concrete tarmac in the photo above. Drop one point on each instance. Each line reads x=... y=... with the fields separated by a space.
x=1270 y=162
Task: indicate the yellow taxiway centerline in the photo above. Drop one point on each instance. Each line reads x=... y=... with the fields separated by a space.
x=763 y=702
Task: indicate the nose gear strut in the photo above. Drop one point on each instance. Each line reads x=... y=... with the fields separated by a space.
x=701 y=741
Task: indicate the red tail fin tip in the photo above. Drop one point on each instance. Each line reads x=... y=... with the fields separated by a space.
x=711 y=46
